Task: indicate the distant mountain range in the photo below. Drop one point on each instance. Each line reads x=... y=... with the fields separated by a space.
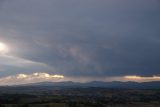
x=114 y=84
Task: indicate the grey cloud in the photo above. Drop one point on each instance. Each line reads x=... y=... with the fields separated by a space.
x=11 y=65
x=85 y=38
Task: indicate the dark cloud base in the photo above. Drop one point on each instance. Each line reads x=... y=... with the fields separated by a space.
x=82 y=38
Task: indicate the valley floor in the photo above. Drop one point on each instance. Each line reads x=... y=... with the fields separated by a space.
x=78 y=97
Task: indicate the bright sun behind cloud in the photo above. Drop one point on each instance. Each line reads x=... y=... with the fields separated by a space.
x=3 y=48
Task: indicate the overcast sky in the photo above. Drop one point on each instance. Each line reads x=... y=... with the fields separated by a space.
x=80 y=38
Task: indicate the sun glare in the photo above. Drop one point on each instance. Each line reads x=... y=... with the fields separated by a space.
x=3 y=48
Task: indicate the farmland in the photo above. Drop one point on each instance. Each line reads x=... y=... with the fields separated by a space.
x=78 y=97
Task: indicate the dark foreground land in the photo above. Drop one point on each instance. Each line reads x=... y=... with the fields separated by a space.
x=28 y=96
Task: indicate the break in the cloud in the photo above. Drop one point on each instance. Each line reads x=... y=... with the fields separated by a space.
x=80 y=38
x=142 y=79
x=29 y=78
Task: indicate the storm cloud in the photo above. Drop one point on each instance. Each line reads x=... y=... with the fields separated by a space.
x=81 y=38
